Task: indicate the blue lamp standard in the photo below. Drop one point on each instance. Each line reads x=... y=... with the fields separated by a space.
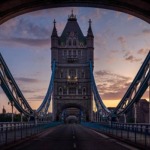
x=12 y=106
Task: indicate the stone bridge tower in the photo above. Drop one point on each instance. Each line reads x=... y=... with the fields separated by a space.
x=72 y=52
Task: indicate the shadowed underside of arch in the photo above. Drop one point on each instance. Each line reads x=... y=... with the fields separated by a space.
x=70 y=105
x=13 y=8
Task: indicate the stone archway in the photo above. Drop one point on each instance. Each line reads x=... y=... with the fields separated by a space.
x=13 y=8
x=71 y=106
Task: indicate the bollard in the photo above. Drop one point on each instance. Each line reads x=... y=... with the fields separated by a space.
x=15 y=133
x=6 y=131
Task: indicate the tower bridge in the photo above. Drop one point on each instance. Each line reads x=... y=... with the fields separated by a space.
x=72 y=87
x=72 y=83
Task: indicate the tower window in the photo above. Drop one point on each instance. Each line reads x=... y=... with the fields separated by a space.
x=61 y=74
x=60 y=91
x=69 y=42
x=74 y=42
x=65 y=52
x=74 y=53
x=69 y=52
x=83 y=74
x=79 y=91
x=84 y=91
x=72 y=90
x=65 y=91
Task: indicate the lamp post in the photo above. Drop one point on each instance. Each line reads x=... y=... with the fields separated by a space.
x=149 y=100
x=12 y=108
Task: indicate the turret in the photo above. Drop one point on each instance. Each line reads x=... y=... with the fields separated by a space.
x=90 y=37
x=54 y=36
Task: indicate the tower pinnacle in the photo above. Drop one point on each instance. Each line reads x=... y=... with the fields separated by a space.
x=54 y=32
x=90 y=32
x=72 y=17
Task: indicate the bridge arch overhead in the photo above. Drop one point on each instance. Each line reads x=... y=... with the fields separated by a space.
x=13 y=8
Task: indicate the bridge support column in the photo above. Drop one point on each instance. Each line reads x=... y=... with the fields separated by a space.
x=125 y=119
x=135 y=112
x=96 y=116
x=21 y=117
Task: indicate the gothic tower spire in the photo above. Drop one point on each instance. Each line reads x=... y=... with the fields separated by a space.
x=54 y=32
x=90 y=32
x=54 y=36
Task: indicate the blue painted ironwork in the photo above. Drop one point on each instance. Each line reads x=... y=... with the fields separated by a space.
x=133 y=94
x=99 y=103
x=15 y=95
x=12 y=90
x=136 y=89
x=46 y=102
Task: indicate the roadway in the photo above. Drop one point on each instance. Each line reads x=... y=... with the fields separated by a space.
x=72 y=137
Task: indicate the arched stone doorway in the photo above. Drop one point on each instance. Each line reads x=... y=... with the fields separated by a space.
x=72 y=109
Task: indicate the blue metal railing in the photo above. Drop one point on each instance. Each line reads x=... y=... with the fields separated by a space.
x=138 y=134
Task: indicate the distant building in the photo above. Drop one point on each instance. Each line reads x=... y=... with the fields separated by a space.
x=142 y=109
x=3 y=110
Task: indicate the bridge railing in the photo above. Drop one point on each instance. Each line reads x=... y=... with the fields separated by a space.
x=137 y=134
x=12 y=132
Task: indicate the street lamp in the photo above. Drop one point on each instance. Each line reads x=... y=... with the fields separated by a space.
x=12 y=115
x=149 y=100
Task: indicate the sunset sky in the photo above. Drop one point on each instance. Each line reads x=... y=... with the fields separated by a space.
x=121 y=44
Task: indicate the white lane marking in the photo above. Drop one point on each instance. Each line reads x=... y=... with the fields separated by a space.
x=120 y=143
x=127 y=146
x=74 y=137
x=102 y=135
x=74 y=145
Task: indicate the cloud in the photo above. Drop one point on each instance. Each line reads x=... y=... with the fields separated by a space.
x=36 y=98
x=128 y=56
x=26 y=28
x=118 y=14
x=146 y=31
x=122 y=40
x=96 y=14
x=130 y=17
x=100 y=41
x=143 y=51
x=26 y=41
x=7 y=28
x=96 y=58
x=23 y=79
x=111 y=86
x=131 y=58
x=28 y=91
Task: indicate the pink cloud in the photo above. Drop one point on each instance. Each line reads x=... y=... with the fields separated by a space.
x=110 y=85
x=143 y=51
x=130 y=17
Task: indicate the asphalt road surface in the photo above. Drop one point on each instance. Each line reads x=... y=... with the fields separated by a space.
x=72 y=137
